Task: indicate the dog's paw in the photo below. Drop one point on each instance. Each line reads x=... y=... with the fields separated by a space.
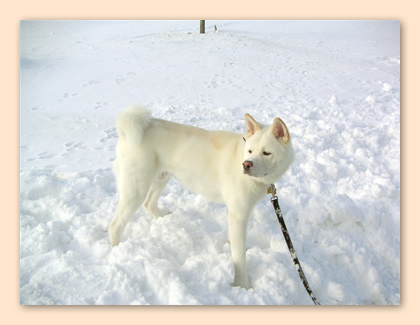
x=114 y=241
x=114 y=235
x=242 y=284
x=159 y=213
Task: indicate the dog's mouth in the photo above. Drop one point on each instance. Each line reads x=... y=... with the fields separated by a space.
x=249 y=173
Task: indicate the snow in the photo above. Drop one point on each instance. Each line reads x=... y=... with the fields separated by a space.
x=336 y=84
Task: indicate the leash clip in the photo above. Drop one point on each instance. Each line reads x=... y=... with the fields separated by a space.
x=273 y=191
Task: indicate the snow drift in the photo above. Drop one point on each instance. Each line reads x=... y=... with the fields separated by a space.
x=336 y=84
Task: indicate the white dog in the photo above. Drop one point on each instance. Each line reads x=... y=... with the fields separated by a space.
x=224 y=166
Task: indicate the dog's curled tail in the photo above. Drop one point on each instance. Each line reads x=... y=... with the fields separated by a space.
x=132 y=122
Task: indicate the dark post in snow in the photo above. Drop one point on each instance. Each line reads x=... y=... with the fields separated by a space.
x=202 y=26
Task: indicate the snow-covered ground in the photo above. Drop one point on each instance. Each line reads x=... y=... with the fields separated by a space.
x=335 y=83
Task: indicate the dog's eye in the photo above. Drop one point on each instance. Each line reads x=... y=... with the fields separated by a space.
x=250 y=151
x=265 y=153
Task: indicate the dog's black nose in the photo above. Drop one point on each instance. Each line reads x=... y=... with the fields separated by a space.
x=247 y=164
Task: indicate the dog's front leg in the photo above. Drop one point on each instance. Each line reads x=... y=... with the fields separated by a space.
x=237 y=233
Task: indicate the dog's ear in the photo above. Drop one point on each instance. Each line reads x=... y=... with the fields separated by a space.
x=251 y=126
x=280 y=130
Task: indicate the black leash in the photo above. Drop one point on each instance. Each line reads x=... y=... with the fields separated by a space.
x=275 y=201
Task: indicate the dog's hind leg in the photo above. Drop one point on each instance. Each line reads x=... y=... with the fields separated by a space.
x=133 y=190
x=155 y=191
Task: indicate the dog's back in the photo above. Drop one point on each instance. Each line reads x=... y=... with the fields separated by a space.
x=201 y=160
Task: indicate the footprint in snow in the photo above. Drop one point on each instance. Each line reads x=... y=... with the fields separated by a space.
x=122 y=79
x=100 y=104
x=91 y=83
x=73 y=145
x=42 y=155
x=67 y=96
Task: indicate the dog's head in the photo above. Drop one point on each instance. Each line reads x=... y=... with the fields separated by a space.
x=268 y=150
